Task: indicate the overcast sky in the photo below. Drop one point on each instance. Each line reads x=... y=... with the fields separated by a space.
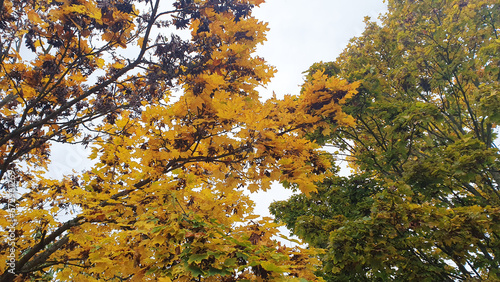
x=303 y=32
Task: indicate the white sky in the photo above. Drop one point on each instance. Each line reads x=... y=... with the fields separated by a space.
x=301 y=33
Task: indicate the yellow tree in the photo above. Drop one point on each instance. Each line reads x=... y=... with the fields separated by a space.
x=165 y=199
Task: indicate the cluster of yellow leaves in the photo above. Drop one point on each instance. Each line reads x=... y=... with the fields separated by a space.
x=165 y=199
x=324 y=97
x=195 y=155
x=59 y=35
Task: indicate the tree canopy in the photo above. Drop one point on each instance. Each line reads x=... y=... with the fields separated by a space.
x=177 y=130
x=422 y=202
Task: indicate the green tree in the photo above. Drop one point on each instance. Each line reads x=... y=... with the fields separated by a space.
x=423 y=199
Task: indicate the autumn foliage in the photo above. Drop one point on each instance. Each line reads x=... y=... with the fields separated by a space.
x=178 y=132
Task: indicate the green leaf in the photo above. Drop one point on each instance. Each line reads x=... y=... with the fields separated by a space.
x=195 y=270
x=157 y=229
x=230 y=262
x=269 y=266
x=197 y=258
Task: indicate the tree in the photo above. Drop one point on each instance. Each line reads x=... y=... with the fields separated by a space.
x=423 y=198
x=50 y=51
x=181 y=132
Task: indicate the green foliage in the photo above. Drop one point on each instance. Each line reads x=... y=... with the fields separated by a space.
x=423 y=201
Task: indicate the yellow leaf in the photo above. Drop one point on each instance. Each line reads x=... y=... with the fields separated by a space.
x=78 y=77
x=34 y=17
x=140 y=41
x=198 y=102
x=118 y=65
x=108 y=36
x=93 y=11
x=327 y=131
x=253 y=187
x=99 y=62
x=80 y=9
